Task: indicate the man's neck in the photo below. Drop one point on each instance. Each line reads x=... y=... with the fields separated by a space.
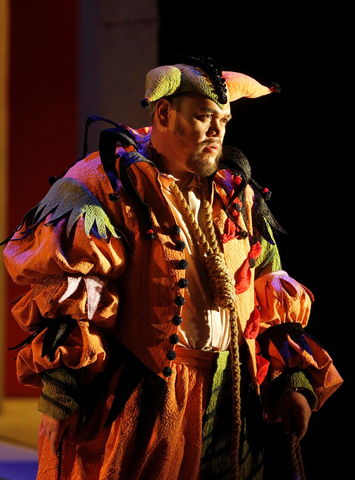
x=164 y=166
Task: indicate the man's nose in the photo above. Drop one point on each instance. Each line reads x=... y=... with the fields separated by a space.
x=215 y=130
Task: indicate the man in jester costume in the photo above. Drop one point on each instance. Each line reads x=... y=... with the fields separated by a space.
x=162 y=328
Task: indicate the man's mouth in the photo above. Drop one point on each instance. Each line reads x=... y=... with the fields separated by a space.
x=212 y=147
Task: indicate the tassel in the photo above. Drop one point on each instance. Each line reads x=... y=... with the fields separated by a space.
x=275 y=88
x=145 y=102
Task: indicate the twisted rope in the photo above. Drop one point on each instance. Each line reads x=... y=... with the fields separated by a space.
x=223 y=285
x=295 y=459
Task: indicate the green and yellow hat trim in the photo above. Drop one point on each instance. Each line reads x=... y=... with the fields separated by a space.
x=220 y=86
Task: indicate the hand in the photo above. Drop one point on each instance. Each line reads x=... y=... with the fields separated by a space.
x=54 y=429
x=295 y=413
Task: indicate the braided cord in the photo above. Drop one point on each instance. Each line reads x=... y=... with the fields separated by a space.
x=223 y=285
x=295 y=459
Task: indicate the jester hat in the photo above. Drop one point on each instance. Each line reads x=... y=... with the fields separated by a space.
x=201 y=75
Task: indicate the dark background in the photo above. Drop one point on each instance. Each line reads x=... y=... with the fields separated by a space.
x=297 y=144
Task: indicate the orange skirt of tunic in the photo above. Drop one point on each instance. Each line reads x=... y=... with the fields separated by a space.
x=111 y=453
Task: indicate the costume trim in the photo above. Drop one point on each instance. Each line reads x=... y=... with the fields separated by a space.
x=236 y=162
x=69 y=197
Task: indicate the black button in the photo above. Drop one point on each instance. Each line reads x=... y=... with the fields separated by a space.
x=174 y=339
x=150 y=235
x=171 y=355
x=238 y=207
x=176 y=229
x=180 y=245
x=113 y=197
x=167 y=371
x=183 y=283
x=179 y=300
x=177 y=320
x=183 y=264
x=243 y=234
x=252 y=262
x=253 y=240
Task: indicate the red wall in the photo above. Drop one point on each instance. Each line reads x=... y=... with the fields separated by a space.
x=43 y=118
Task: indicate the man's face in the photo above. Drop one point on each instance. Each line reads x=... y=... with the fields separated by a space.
x=197 y=127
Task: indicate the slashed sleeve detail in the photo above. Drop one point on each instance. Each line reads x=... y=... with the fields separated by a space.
x=69 y=254
x=282 y=299
x=284 y=309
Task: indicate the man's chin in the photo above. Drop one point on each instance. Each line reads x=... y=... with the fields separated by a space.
x=203 y=164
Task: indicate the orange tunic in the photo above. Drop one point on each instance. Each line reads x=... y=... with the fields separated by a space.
x=76 y=264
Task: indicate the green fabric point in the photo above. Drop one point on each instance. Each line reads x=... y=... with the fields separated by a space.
x=269 y=260
x=68 y=196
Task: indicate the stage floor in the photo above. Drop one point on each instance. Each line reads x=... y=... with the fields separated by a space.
x=17 y=462
x=19 y=423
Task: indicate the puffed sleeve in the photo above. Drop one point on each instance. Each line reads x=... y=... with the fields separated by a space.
x=68 y=253
x=285 y=308
x=282 y=299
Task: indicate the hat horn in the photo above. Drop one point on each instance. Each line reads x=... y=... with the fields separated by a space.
x=241 y=85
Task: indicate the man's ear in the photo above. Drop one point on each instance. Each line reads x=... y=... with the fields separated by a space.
x=162 y=110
